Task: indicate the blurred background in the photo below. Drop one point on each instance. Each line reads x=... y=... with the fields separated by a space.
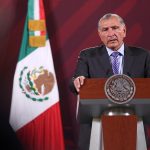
x=72 y=26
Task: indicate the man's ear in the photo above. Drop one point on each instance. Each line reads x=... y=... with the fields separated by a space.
x=99 y=33
x=125 y=30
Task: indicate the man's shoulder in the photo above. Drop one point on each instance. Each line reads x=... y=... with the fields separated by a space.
x=94 y=49
x=135 y=49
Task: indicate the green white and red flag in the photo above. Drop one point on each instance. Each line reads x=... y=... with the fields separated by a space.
x=35 y=109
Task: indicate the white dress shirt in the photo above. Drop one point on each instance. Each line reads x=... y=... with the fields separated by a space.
x=120 y=57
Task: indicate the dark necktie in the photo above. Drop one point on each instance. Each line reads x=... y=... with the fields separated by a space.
x=115 y=62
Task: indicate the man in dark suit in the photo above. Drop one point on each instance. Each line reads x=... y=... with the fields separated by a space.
x=96 y=62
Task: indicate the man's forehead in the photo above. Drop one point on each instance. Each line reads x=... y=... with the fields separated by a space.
x=113 y=21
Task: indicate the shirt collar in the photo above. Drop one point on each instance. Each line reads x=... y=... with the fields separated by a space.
x=120 y=50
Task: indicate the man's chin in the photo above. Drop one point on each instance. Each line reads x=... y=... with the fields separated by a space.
x=113 y=46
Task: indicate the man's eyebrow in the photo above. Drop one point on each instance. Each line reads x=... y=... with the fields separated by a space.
x=105 y=27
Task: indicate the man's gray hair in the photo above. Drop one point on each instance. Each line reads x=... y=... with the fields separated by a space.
x=108 y=16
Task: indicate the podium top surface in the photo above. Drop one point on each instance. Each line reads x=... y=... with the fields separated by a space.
x=94 y=88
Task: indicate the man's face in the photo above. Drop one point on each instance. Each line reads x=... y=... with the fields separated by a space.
x=112 y=32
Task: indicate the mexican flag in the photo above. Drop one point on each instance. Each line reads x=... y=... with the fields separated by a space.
x=35 y=111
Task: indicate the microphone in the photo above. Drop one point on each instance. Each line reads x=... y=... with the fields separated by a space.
x=108 y=72
x=129 y=74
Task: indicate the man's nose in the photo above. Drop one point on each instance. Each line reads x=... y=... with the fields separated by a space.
x=110 y=32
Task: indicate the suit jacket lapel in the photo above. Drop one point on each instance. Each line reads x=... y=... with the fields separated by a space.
x=128 y=60
x=105 y=62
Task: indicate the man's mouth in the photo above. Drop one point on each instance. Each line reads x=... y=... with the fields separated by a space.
x=112 y=40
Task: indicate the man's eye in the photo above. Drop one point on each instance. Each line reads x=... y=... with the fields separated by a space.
x=104 y=29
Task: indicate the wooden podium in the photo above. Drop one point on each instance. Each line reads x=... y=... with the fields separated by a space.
x=119 y=132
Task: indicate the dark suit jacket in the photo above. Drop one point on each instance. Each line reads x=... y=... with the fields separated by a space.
x=95 y=63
